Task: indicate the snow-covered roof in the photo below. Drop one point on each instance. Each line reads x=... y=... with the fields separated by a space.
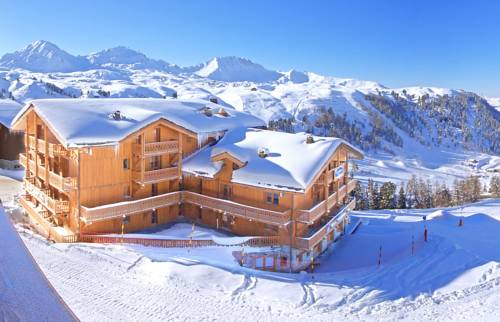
x=8 y=110
x=291 y=163
x=85 y=122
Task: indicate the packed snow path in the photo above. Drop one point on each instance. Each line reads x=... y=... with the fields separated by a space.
x=455 y=276
x=25 y=293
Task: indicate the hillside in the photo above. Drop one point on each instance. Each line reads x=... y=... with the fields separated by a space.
x=435 y=131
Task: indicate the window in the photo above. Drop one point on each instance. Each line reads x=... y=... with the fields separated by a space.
x=154 y=216
x=154 y=189
x=157 y=134
x=273 y=198
x=227 y=192
x=125 y=164
x=155 y=163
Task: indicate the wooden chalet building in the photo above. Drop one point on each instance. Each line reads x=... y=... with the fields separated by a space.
x=11 y=143
x=97 y=165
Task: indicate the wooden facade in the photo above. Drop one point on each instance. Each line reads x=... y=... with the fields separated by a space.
x=139 y=183
x=11 y=145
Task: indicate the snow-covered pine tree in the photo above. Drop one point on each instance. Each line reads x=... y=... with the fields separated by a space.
x=495 y=187
x=387 y=195
x=401 y=198
x=359 y=194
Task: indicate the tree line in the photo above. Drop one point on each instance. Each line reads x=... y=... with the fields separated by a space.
x=420 y=193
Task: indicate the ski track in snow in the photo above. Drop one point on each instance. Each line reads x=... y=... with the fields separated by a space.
x=122 y=283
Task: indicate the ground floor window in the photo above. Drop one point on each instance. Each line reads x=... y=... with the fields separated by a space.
x=154 y=216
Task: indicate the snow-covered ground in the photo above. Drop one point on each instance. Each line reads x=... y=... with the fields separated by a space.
x=454 y=276
x=25 y=294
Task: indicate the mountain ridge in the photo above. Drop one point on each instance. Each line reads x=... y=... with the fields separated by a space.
x=373 y=116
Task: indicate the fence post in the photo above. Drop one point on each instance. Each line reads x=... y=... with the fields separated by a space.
x=380 y=256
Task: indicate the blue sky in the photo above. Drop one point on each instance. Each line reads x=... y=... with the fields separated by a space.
x=397 y=43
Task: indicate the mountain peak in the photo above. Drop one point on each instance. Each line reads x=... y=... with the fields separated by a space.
x=43 y=56
x=236 y=69
x=117 y=55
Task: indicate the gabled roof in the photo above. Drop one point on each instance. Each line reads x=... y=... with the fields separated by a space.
x=87 y=122
x=291 y=163
x=8 y=110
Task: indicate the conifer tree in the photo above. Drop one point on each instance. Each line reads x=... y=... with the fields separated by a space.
x=495 y=187
x=401 y=198
x=387 y=194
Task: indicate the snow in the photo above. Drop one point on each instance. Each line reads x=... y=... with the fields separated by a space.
x=294 y=94
x=235 y=69
x=494 y=101
x=85 y=122
x=43 y=56
x=14 y=174
x=184 y=231
x=291 y=163
x=454 y=276
x=8 y=110
x=25 y=294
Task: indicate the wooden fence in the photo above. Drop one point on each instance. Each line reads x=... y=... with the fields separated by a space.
x=259 y=241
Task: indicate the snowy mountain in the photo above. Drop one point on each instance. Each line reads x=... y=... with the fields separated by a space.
x=435 y=131
x=43 y=56
x=235 y=69
x=123 y=57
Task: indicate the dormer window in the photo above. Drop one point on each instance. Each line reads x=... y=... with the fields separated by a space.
x=207 y=111
x=117 y=116
x=309 y=139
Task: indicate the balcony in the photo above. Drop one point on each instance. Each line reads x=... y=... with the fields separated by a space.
x=351 y=185
x=156 y=148
x=154 y=176
x=316 y=236
x=237 y=209
x=311 y=215
x=65 y=184
x=51 y=149
x=126 y=208
x=54 y=206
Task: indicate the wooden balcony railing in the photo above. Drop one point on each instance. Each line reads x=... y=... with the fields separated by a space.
x=23 y=160
x=311 y=215
x=351 y=185
x=237 y=209
x=156 y=148
x=54 y=206
x=342 y=192
x=61 y=183
x=154 y=176
x=58 y=234
x=53 y=149
x=311 y=241
x=126 y=208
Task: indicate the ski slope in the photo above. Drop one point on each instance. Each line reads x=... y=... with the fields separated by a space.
x=455 y=276
x=25 y=293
